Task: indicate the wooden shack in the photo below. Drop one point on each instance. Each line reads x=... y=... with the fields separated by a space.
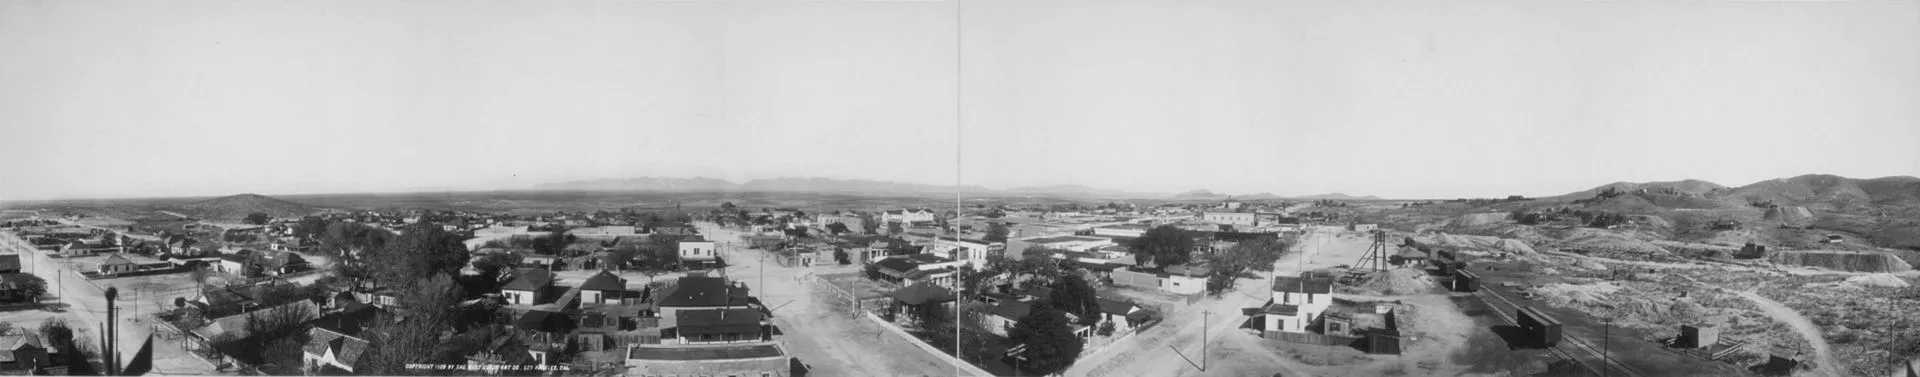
x=1542 y=329
x=1697 y=336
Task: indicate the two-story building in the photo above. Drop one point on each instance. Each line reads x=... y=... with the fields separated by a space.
x=1297 y=302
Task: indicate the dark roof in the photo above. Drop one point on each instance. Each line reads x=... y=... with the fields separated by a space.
x=546 y=321
x=922 y=293
x=604 y=281
x=901 y=265
x=10 y=343
x=529 y=280
x=1311 y=284
x=704 y=291
x=755 y=351
x=718 y=321
x=1282 y=309
x=1011 y=309
x=1116 y=307
x=10 y=262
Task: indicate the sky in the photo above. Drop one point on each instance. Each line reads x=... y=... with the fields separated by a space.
x=1409 y=99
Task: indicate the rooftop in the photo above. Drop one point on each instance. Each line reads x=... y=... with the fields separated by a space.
x=727 y=352
x=1308 y=284
x=705 y=291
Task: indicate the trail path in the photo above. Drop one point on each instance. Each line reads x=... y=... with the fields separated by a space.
x=1780 y=312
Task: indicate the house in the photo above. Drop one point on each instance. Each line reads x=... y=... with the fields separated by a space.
x=529 y=287
x=913 y=299
x=13 y=288
x=1123 y=315
x=1297 y=302
x=603 y=288
x=717 y=326
x=21 y=352
x=1229 y=218
x=765 y=359
x=972 y=251
x=329 y=352
x=907 y=216
x=695 y=292
x=235 y=263
x=117 y=264
x=697 y=251
x=10 y=264
x=1002 y=315
x=1179 y=279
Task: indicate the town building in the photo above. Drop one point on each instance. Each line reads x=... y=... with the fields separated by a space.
x=1229 y=218
x=1297 y=302
x=766 y=359
x=329 y=352
x=907 y=216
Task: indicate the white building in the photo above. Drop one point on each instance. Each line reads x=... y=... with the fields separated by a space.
x=907 y=216
x=607 y=232
x=1074 y=243
x=698 y=250
x=1125 y=230
x=971 y=251
x=1232 y=218
x=1297 y=302
x=500 y=233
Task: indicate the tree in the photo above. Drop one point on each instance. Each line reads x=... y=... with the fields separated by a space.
x=423 y=249
x=840 y=255
x=728 y=207
x=1072 y=294
x=257 y=218
x=894 y=228
x=394 y=344
x=837 y=228
x=868 y=223
x=31 y=286
x=1051 y=345
x=996 y=232
x=1163 y=246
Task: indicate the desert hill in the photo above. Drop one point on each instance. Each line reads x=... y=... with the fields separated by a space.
x=236 y=207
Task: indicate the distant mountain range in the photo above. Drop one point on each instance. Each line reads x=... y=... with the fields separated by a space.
x=829 y=185
x=1814 y=190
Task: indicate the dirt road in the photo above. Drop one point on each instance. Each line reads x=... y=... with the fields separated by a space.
x=832 y=342
x=1230 y=351
x=1800 y=324
x=86 y=307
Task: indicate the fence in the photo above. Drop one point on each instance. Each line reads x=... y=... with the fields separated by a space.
x=1311 y=338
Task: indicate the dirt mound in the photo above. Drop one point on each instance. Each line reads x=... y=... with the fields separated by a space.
x=1398 y=281
x=1607 y=242
x=1878 y=280
x=1581 y=294
x=1478 y=219
x=1842 y=260
x=1789 y=214
x=1483 y=244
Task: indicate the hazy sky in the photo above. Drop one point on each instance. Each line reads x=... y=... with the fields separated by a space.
x=1401 y=98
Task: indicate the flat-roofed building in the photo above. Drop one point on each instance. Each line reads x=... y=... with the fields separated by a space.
x=766 y=359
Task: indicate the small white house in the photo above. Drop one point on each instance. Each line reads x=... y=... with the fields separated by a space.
x=698 y=250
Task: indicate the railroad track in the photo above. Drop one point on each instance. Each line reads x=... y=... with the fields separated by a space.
x=1561 y=349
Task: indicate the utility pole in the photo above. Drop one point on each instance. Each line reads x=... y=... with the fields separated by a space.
x=1205 y=318
x=1606 y=339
